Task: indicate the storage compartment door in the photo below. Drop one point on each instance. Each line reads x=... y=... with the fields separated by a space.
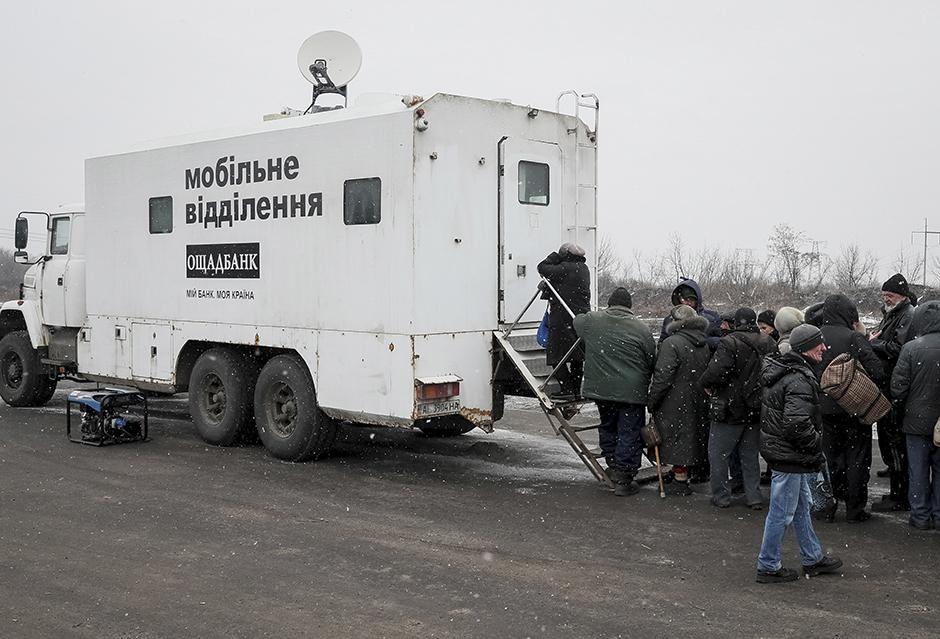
x=530 y=221
x=152 y=351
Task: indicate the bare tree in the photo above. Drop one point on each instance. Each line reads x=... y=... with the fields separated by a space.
x=909 y=264
x=609 y=269
x=676 y=257
x=854 y=268
x=789 y=262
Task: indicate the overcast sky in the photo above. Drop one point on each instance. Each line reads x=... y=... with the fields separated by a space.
x=718 y=120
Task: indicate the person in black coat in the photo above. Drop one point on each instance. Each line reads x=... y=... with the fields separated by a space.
x=887 y=340
x=846 y=440
x=567 y=271
x=791 y=443
x=732 y=379
x=915 y=385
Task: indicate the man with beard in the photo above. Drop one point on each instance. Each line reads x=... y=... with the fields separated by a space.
x=887 y=340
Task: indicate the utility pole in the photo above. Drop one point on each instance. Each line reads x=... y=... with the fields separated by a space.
x=925 y=233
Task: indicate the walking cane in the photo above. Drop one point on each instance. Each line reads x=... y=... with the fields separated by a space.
x=653 y=439
x=659 y=471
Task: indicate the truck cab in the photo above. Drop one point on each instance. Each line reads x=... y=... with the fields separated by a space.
x=39 y=331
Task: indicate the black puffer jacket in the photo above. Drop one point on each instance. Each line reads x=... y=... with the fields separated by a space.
x=838 y=318
x=791 y=426
x=733 y=374
x=893 y=334
x=915 y=384
x=572 y=279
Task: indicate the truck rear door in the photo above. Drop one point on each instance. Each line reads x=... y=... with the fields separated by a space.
x=530 y=220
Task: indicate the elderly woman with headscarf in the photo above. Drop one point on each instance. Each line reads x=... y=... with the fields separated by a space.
x=567 y=271
x=677 y=400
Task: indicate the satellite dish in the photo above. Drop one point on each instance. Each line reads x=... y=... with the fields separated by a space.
x=329 y=60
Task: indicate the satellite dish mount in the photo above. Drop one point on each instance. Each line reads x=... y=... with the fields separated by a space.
x=328 y=60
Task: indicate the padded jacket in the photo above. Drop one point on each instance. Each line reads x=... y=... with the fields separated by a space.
x=915 y=384
x=791 y=425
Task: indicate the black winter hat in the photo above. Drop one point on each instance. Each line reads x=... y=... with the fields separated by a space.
x=897 y=283
x=767 y=317
x=805 y=337
x=620 y=297
x=745 y=318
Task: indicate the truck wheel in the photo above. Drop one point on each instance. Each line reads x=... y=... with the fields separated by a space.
x=289 y=421
x=220 y=391
x=446 y=426
x=24 y=381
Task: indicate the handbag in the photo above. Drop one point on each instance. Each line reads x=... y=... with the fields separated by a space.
x=936 y=433
x=542 y=335
x=651 y=436
x=846 y=381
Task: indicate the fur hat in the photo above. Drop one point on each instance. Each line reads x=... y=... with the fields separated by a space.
x=684 y=316
x=570 y=248
x=621 y=297
x=897 y=283
x=787 y=318
x=805 y=337
x=745 y=318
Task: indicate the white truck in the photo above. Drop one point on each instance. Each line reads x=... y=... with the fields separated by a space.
x=350 y=264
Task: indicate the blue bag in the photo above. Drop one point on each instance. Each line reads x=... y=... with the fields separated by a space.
x=542 y=335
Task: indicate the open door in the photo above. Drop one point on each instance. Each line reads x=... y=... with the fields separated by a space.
x=530 y=220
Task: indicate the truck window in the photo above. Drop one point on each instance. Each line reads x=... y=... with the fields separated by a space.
x=61 y=227
x=362 y=201
x=533 y=183
x=161 y=214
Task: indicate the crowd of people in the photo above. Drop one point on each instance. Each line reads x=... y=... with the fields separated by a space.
x=725 y=390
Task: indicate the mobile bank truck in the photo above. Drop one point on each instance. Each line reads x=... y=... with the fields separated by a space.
x=358 y=264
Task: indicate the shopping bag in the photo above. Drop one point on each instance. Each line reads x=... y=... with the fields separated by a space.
x=542 y=335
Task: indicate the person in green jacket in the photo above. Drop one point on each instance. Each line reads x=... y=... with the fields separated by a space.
x=620 y=354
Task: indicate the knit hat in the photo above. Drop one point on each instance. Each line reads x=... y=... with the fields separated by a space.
x=621 y=297
x=745 y=317
x=570 y=248
x=787 y=319
x=897 y=283
x=766 y=317
x=805 y=337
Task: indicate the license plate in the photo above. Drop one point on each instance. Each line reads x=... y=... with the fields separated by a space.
x=439 y=408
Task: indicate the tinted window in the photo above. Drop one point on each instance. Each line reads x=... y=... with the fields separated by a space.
x=362 y=201
x=161 y=214
x=61 y=227
x=533 y=183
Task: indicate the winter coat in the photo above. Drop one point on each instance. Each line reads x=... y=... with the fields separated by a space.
x=619 y=355
x=733 y=375
x=915 y=383
x=838 y=317
x=894 y=334
x=713 y=332
x=572 y=279
x=677 y=401
x=791 y=425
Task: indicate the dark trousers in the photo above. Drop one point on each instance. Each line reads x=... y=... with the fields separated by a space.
x=925 y=480
x=893 y=448
x=619 y=434
x=847 y=446
x=569 y=377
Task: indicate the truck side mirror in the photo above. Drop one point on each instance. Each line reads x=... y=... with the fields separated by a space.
x=21 y=234
x=21 y=257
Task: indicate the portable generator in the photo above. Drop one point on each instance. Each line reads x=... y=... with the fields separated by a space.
x=108 y=416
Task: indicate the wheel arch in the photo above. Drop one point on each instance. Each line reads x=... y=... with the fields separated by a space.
x=23 y=315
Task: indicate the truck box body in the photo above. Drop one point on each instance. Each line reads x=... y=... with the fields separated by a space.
x=471 y=195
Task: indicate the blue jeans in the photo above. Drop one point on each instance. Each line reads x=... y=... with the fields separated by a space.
x=619 y=434
x=923 y=460
x=790 y=501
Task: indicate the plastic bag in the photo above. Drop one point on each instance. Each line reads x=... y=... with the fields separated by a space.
x=542 y=335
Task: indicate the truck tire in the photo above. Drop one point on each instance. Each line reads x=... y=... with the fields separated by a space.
x=24 y=381
x=450 y=426
x=289 y=421
x=221 y=388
